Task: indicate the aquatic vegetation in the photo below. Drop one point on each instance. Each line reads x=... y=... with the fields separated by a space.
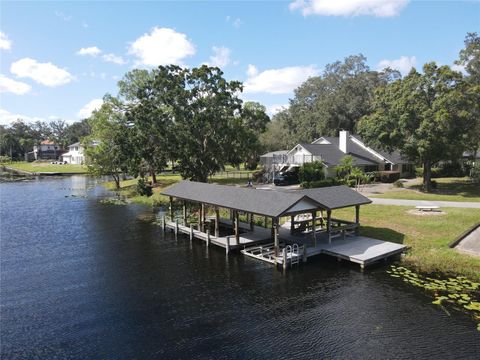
x=114 y=201
x=459 y=292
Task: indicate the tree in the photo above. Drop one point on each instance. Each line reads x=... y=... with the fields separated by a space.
x=77 y=131
x=277 y=137
x=425 y=116
x=334 y=101
x=469 y=59
x=110 y=133
x=254 y=123
x=312 y=171
x=205 y=108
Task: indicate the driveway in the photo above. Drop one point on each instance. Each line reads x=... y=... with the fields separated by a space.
x=400 y=202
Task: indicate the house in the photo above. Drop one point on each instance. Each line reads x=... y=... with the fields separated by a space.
x=76 y=153
x=46 y=150
x=331 y=150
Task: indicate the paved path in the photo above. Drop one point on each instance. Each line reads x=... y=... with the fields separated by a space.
x=470 y=243
x=400 y=202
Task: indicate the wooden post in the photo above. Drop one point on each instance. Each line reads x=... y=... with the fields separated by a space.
x=232 y=217
x=237 y=232
x=191 y=232
x=276 y=244
x=227 y=245
x=217 y=222
x=314 y=226
x=176 y=226
x=292 y=224
x=252 y=223
x=208 y=237
x=184 y=213
x=284 y=253
x=304 y=257
x=164 y=223
x=266 y=222
x=329 y=225
x=171 y=207
x=201 y=217
x=357 y=219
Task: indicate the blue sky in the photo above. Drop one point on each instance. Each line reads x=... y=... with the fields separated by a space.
x=272 y=46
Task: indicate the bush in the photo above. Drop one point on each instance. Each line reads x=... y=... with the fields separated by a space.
x=398 y=184
x=319 y=183
x=4 y=159
x=313 y=171
x=434 y=184
x=143 y=188
x=452 y=169
x=388 y=176
x=436 y=172
x=258 y=175
x=475 y=172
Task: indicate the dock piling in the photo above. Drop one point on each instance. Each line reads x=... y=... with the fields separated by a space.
x=227 y=245
x=208 y=237
x=176 y=226
x=191 y=232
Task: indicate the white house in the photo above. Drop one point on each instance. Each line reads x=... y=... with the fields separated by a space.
x=75 y=154
x=330 y=151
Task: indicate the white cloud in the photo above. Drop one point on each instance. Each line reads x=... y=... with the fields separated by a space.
x=5 y=42
x=237 y=23
x=220 y=57
x=91 y=51
x=162 y=46
x=277 y=81
x=6 y=117
x=252 y=70
x=13 y=86
x=276 y=108
x=46 y=74
x=379 y=8
x=403 y=64
x=86 y=111
x=112 y=58
x=63 y=16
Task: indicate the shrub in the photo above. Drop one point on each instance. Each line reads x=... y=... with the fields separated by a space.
x=475 y=172
x=312 y=171
x=436 y=172
x=452 y=169
x=4 y=159
x=143 y=188
x=398 y=184
x=320 y=183
x=388 y=176
x=258 y=175
x=434 y=184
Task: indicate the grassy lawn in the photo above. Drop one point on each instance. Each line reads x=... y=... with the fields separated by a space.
x=448 y=189
x=128 y=187
x=428 y=236
x=46 y=167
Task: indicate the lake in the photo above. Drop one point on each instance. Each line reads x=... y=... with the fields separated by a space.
x=84 y=280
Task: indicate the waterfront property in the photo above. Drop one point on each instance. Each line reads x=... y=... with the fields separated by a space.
x=294 y=225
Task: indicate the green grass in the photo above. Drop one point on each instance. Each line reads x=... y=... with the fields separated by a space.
x=35 y=167
x=428 y=236
x=128 y=187
x=448 y=189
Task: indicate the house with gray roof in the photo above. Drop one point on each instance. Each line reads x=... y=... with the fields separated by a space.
x=330 y=150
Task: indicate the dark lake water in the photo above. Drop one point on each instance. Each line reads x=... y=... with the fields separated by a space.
x=85 y=280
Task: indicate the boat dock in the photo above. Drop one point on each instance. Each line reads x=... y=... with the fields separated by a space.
x=303 y=232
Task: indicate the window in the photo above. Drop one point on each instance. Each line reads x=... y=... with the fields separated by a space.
x=370 y=168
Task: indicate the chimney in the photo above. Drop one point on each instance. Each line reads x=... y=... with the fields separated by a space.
x=343 y=138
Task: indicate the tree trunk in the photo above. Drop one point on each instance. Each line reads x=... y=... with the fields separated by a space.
x=116 y=178
x=427 y=176
x=154 y=177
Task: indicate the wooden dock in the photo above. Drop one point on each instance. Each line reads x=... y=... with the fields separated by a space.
x=294 y=248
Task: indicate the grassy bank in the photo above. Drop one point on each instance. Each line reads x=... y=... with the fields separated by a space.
x=128 y=187
x=428 y=236
x=36 y=167
x=448 y=189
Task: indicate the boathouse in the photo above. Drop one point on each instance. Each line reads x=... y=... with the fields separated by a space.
x=277 y=226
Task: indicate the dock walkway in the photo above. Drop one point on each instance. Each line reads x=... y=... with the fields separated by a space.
x=257 y=244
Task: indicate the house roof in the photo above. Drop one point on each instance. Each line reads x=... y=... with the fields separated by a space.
x=74 y=144
x=265 y=202
x=394 y=156
x=331 y=154
x=272 y=153
x=47 y=142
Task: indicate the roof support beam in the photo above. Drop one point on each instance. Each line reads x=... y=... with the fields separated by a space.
x=357 y=219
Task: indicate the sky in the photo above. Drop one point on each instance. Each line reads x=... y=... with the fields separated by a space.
x=58 y=59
